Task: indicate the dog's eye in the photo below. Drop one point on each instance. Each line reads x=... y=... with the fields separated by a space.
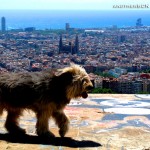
x=83 y=81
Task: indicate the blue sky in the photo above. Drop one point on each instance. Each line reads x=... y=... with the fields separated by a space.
x=67 y=4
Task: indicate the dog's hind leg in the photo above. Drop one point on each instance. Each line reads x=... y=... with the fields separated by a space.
x=42 y=126
x=12 y=124
x=62 y=122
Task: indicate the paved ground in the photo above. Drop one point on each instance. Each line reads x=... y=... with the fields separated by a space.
x=100 y=122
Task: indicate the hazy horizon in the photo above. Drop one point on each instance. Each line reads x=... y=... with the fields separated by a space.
x=56 y=19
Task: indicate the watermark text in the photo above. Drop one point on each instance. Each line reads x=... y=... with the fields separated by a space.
x=135 y=6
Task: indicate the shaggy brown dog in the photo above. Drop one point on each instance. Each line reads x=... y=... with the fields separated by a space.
x=45 y=93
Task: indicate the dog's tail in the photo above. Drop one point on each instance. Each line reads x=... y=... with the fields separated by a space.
x=1 y=110
x=1 y=107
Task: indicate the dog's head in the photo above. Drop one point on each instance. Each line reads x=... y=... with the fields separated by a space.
x=79 y=83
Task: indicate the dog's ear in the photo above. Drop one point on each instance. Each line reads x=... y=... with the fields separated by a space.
x=59 y=72
x=66 y=70
x=64 y=76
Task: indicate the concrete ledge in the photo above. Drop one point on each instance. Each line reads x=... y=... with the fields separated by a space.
x=92 y=126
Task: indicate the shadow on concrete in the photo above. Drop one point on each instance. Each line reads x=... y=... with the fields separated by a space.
x=57 y=141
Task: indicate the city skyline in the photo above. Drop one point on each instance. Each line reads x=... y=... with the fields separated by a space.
x=115 y=59
x=68 y=4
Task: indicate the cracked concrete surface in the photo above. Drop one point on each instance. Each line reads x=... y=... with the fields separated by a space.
x=100 y=122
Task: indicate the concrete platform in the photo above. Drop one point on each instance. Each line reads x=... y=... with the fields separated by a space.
x=100 y=122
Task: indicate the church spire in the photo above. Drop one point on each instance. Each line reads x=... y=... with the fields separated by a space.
x=60 y=44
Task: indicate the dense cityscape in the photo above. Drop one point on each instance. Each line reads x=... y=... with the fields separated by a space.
x=115 y=58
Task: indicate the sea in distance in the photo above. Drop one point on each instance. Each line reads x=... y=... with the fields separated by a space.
x=56 y=19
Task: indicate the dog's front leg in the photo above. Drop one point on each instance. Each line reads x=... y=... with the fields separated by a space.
x=42 y=127
x=62 y=122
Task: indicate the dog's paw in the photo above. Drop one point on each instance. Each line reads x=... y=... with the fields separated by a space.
x=13 y=129
x=47 y=134
x=63 y=130
x=20 y=131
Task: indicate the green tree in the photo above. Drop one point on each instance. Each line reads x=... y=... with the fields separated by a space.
x=104 y=74
x=142 y=92
x=102 y=90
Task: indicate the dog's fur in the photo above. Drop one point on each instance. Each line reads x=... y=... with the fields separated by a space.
x=45 y=93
